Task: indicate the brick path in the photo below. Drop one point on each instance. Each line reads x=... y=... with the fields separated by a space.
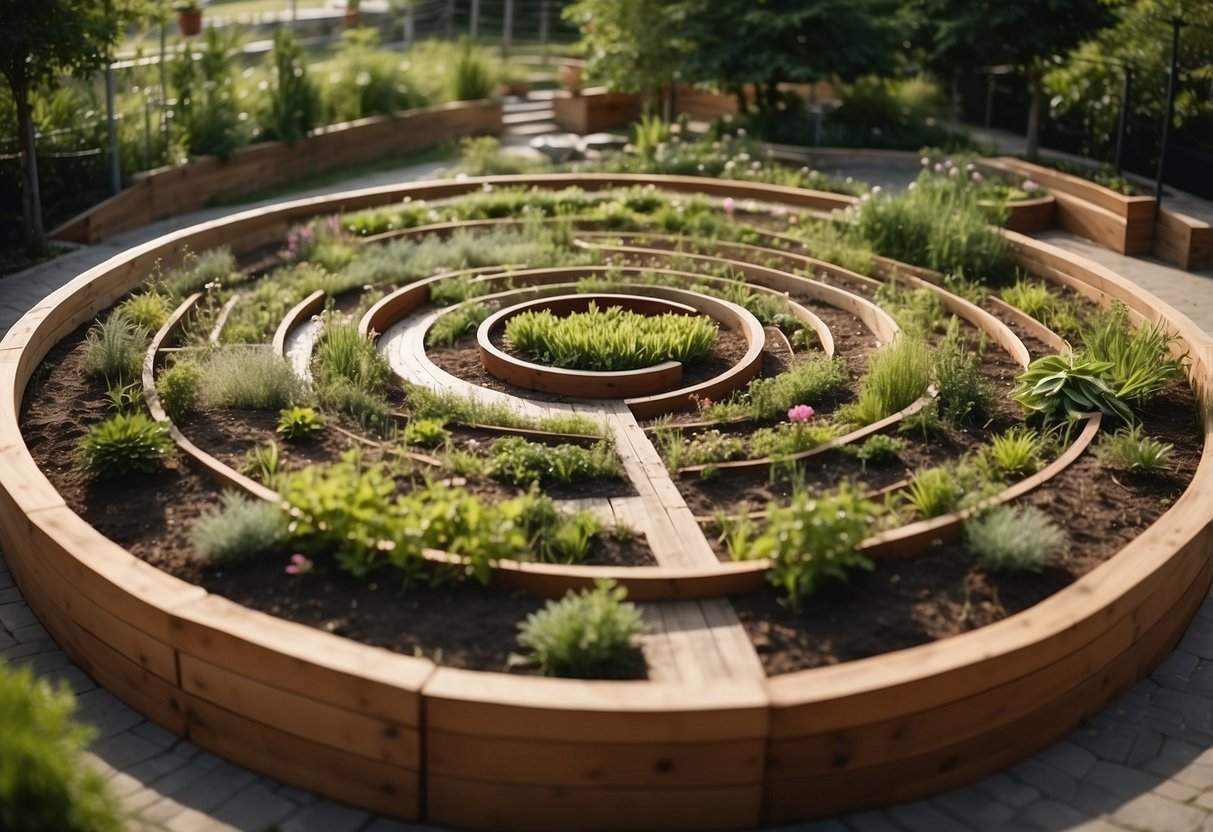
x=1145 y=764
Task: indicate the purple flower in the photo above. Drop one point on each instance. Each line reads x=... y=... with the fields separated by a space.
x=976 y=176
x=800 y=413
x=729 y=205
x=299 y=565
x=1029 y=186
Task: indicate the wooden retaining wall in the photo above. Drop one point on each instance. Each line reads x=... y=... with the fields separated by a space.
x=170 y=191
x=398 y=735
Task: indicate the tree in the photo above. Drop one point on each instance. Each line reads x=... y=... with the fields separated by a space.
x=39 y=41
x=634 y=45
x=969 y=34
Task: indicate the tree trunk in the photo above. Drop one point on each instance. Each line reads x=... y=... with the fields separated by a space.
x=1035 y=96
x=32 y=230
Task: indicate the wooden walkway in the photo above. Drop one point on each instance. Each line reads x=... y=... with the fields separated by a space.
x=689 y=640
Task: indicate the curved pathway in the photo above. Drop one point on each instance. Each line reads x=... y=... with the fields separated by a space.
x=1144 y=764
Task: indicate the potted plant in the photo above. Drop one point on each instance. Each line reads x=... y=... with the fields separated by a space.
x=353 y=15
x=189 y=17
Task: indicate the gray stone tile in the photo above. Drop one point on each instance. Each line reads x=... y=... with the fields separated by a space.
x=253 y=809
x=921 y=816
x=1121 y=780
x=1045 y=779
x=156 y=735
x=874 y=820
x=1157 y=814
x=973 y=807
x=124 y=750
x=1068 y=758
x=325 y=817
x=1008 y=791
x=215 y=787
x=1052 y=814
x=16 y=615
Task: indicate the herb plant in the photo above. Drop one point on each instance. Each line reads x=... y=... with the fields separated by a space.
x=124 y=444
x=586 y=635
x=298 y=423
x=241 y=529
x=1014 y=539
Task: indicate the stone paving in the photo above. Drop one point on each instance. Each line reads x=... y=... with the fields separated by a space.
x=1144 y=764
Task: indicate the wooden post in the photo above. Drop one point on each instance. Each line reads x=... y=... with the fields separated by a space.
x=450 y=19
x=507 y=28
x=545 y=8
x=474 y=24
x=410 y=26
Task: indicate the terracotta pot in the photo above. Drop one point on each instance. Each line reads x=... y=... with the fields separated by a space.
x=189 y=21
x=570 y=76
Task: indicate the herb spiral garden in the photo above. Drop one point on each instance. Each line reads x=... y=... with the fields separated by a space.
x=608 y=500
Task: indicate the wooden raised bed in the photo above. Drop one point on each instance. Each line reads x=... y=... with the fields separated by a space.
x=399 y=735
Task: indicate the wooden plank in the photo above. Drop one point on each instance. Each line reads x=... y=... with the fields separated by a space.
x=658 y=652
x=328 y=771
x=692 y=642
x=732 y=643
x=473 y=804
x=594 y=765
x=296 y=712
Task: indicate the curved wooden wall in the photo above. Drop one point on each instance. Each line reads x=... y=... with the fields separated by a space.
x=362 y=725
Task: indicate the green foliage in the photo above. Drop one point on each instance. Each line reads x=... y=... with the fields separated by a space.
x=367 y=410
x=1014 y=539
x=1032 y=298
x=456 y=290
x=240 y=530
x=571 y=423
x=367 y=81
x=517 y=461
x=114 y=348
x=839 y=243
x=147 y=309
x=610 y=339
x=123 y=444
x=1015 y=452
x=791 y=438
x=248 y=378
x=207 y=98
x=474 y=76
x=586 y=635
x=483 y=156
x=1129 y=450
x=125 y=398
x=1142 y=365
x=965 y=396
x=344 y=352
x=898 y=374
x=212 y=268
x=450 y=407
x=814 y=538
x=736 y=530
x=178 y=388
x=918 y=312
x=1068 y=386
x=265 y=463
x=710 y=447
x=878 y=449
x=427 y=433
x=294 y=101
x=299 y=423
x=812 y=379
x=449 y=327
x=934 y=491
x=900 y=113
x=45 y=783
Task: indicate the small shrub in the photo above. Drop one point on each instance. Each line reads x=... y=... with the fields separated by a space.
x=878 y=449
x=427 y=433
x=114 y=348
x=178 y=388
x=371 y=412
x=964 y=395
x=816 y=378
x=343 y=352
x=455 y=290
x=814 y=538
x=897 y=376
x=45 y=783
x=934 y=491
x=299 y=423
x=124 y=444
x=212 y=268
x=570 y=540
x=147 y=309
x=1129 y=450
x=586 y=635
x=787 y=439
x=449 y=327
x=1141 y=363
x=249 y=379
x=712 y=446
x=1014 y=539
x=517 y=461
x=241 y=529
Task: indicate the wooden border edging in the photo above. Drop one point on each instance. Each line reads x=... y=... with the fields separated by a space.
x=396 y=734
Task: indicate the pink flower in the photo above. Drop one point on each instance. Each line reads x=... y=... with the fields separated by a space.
x=800 y=413
x=976 y=176
x=924 y=161
x=729 y=205
x=299 y=565
x=1029 y=186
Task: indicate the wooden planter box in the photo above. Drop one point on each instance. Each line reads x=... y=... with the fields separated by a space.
x=399 y=735
x=1028 y=216
x=593 y=110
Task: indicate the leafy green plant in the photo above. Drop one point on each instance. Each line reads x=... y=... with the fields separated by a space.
x=517 y=461
x=878 y=449
x=570 y=539
x=456 y=290
x=898 y=374
x=610 y=339
x=712 y=446
x=934 y=491
x=125 y=398
x=1014 y=539
x=248 y=379
x=1129 y=450
x=737 y=530
x=792 y=438
x=294 y=101
x=427 y=433
x=298 y=423
x=586 y=635
x=114 y=348
x=814 y=378
x=964 y=394
x=369 y=411
x=474 y=75
x=45 y=783
x=241 y=529
x=344 y=352
x=178 y=388
x=1032 y=298
x=1015 y=452
x=449 y=327
x=814 y=538
x=123 y=444
x=147 y=309
x=1067 y=386
x=264 y=462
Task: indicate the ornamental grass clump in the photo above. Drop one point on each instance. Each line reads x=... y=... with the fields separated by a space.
x=898 y=374
x=610 y=339
x=344 y=352
x=249 y=378
x=814 y=378
x=1014 y=539
x=814 y=538
x=114 y=348
x=586 y=635
x=1129 y=450
x=1142 y=365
